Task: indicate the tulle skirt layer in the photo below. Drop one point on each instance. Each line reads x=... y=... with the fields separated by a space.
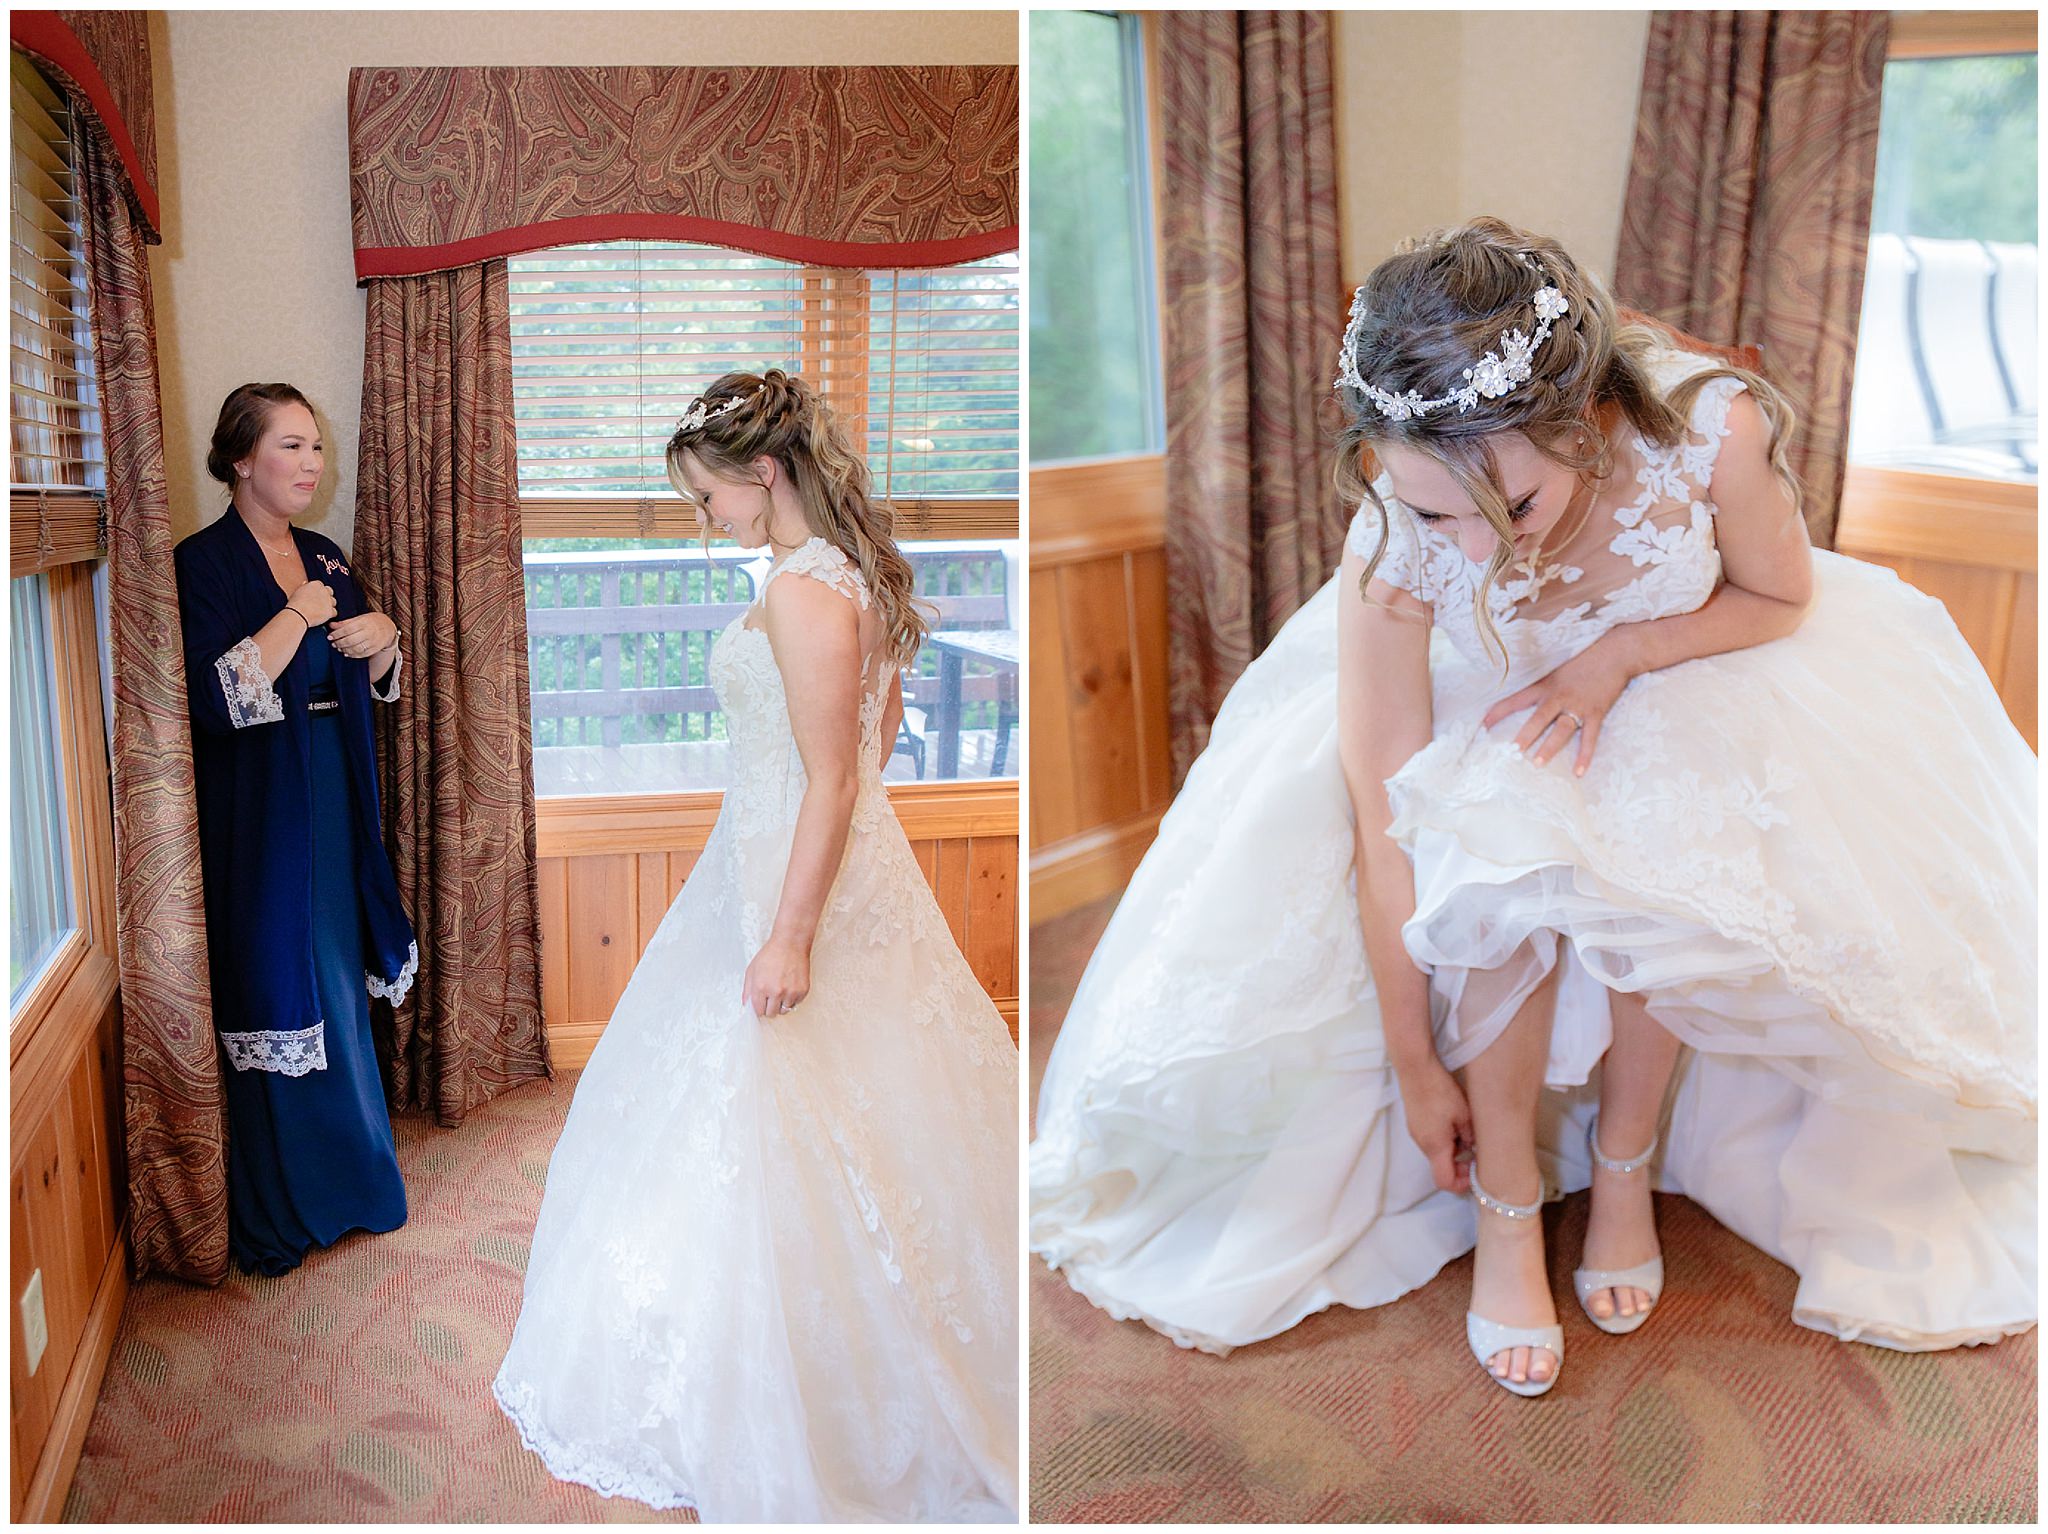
x=774 y=1272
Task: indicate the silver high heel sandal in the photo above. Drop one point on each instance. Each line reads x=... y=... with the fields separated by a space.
x=1648 y=1276
x=1487 y=1338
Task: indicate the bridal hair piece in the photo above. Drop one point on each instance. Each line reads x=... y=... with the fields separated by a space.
x=1489 y=378
x=789 y=423
x=1573 y=385
x=704 y=412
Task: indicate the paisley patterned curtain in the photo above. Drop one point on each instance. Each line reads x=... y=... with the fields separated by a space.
x=174 y=1121
x=1748 y=212
x=1254 y=313
x=437 y=547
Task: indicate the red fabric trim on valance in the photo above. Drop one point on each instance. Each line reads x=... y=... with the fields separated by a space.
x=849 y=166
x=102 y=59
x=399 y=262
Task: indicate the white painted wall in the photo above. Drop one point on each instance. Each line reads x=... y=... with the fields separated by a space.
x=255 y=280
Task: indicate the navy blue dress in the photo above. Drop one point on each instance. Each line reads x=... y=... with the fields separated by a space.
x=303 y=917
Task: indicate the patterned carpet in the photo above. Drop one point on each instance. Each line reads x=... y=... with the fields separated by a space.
x=357 y=1388
x=1720 y=1409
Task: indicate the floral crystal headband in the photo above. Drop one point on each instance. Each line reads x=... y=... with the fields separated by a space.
x=1490 y=377
x=704 y=412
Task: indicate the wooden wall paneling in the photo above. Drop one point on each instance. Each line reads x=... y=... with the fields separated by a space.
x=47 y=1254
x=29 y=1395
x=1100 y=768
x=952 y=886
x=650 y=877
x=1978 y=599
x=2022 y=687
x=1095 y=627
x=992 y=912
x=611 y=869
x=45 y=1493
x=1147 y=588
x=555 y=957
x=680 y=866
x=88 y=1207
x=1053 y=816
x=604 y=924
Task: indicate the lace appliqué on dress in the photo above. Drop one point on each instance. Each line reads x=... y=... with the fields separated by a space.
x=394 y=989
x=251 y=697
x=288 y=1052
x=825 y=562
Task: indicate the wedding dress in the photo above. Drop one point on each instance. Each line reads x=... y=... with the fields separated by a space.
x=775 y=1271
x=1814 y=858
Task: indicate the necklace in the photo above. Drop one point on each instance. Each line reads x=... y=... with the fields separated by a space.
x=286 y=552
x=1585 y=515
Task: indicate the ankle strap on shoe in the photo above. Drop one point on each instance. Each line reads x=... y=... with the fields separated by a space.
x=1486 y=1200
x=1613 y=1163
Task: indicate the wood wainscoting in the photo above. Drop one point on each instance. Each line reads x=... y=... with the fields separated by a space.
x=67 y=1177
x=611 y=866
x=1973 y=544
x=1101 y=769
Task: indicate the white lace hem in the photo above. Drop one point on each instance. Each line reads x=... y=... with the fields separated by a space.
x=283 y=1051
x=390 y=680
x=247 y=687
x=394 y=989
x=577 y=1463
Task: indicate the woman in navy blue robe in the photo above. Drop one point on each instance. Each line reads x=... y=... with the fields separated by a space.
x=303 y=921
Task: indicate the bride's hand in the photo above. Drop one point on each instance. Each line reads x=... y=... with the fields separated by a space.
x=1440 y=1124
x=1584 y=687
x=778 y=979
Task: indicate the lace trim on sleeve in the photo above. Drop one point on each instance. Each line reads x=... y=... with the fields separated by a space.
x=825 y=562
x=247 y=687
x=394 y=989
x=1409 y=564
x=283 y=1051
x=390 y=680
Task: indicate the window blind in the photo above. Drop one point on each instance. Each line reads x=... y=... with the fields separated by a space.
x=612 y=342
x=58 y=468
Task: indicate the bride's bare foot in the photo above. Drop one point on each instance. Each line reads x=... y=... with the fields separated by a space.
x=1511 y=1285
x=1621 y=1233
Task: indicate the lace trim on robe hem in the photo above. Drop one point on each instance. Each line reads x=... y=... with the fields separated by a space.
x=247 y=687
x=287 y=1052
x=573 y=1463
x=390 y=680
x=394 y=989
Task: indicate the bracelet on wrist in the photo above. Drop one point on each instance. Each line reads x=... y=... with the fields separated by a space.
x=300 y=616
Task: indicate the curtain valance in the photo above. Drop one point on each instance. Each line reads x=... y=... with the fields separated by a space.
x=829 y=165
x=101 y=58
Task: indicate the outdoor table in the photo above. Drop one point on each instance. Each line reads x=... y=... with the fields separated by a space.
x=999 y=647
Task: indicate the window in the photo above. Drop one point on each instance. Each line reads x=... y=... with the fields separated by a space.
x=61 y=854
x=56 y=455
x=610 y=345
x=1095 y=359
x=39 y=908
x=1947 y=355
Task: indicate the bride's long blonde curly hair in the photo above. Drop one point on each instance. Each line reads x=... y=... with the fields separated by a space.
x=1440 y=303
x=784 y=419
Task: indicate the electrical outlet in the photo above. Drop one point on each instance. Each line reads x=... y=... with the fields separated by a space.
x=35 y=1326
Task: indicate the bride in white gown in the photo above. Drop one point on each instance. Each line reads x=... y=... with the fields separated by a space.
x=774 y=1274
x=1771 y=810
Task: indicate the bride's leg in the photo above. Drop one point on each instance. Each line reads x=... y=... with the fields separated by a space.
x=1509 y=1281
x=1621 y=1231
